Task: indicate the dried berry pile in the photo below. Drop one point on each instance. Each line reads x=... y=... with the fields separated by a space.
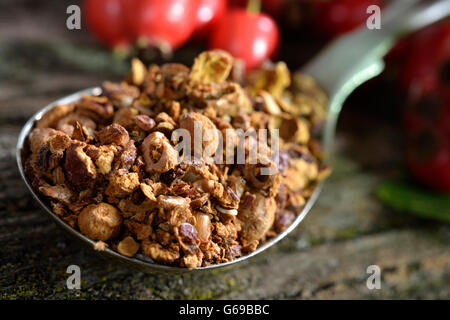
x=109 y=167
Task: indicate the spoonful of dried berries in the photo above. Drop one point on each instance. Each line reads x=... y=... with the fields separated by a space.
x=177 y=169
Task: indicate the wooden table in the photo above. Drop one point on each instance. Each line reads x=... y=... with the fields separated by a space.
x=325 y=258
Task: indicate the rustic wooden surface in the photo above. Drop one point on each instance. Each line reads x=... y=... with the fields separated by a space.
x=325 y=258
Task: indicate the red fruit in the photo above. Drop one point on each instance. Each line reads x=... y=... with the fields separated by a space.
x=427 y=61
x=209 y=13
x=336 y=17
x=428 y=147
x=274 y=7
x=105 y=20
x=237 y=3
x=250 y=36
x=425 y=76
x=161 y=22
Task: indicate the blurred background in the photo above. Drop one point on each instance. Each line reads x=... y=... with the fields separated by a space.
x=387 y=202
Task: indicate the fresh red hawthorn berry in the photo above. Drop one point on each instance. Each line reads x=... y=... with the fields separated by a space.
x=331 y=18
x=168 y=23
x=428 y=140
x=248 y=35
x=105 y=20
x=425 y=79
x=274 y=7
x=237 y=3
x=427 y=64
x=209 y=13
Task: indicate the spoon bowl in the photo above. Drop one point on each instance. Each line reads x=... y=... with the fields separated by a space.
x=140 y=262
x=344 y=65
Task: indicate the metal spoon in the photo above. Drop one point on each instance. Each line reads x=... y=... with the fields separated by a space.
x=344 y=65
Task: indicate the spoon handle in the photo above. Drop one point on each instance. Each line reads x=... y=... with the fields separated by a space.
x=357 y=57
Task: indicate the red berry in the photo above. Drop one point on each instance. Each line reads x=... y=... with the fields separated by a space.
x=161 y=22
x=428 y=134
x=105 y=20
x=274 y=7
x=336 y=17
x=428 y=61
x=425 y=76
x=237 y=3
x=250 y=36
x=209 y=13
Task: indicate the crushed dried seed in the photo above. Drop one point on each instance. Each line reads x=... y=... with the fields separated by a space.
x=110 y=168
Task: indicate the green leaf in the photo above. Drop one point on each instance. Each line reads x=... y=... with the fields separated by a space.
x=422 y=203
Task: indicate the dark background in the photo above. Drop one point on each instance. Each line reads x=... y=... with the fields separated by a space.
x=326 y=257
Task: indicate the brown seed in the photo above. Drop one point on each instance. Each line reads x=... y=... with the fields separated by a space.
x=114 y=134
x=203 y=133
x=158 y=153
x=258 y=218
x=128 y=247
x=100 y=221
x=80 y=168
x=144 y=122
